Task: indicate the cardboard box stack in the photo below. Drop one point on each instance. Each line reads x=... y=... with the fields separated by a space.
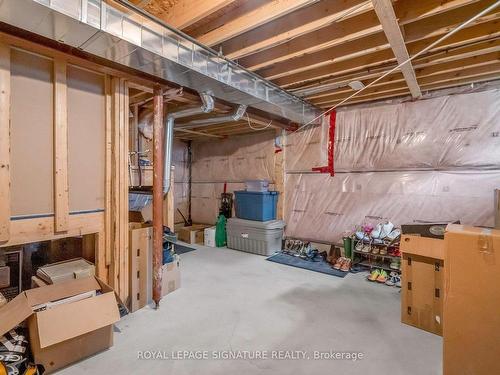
x=471 y=334
x=422 y=282
x=67 y=321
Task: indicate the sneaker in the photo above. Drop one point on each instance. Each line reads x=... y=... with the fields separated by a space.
x=382 y=277
x=374 y=275
x=398 y=281
x=393 y=278
x=395 y=264
x=346 y=266
x=339 y=263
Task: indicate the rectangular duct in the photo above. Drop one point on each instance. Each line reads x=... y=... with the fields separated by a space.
x=129 y=37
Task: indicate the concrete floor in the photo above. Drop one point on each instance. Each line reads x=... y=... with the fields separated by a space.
x=233 y=301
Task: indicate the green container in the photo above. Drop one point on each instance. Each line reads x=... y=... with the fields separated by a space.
x=220 y=231
x=348 y=247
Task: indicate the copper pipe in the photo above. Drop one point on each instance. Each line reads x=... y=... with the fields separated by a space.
x=157 y=193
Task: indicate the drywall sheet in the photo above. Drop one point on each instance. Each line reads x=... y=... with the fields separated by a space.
x=86 y=139
x=31 y=134
x=320 y=207
x=429 y=160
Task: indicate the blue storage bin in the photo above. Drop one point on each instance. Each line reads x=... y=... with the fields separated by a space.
x=254 y=205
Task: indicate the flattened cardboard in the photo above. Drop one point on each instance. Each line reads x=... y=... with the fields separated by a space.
x=55 y=292
x=13 y=313
x=472 y=302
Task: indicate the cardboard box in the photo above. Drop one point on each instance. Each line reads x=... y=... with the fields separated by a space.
x=171 y=276
x=141 y=265
x=472 y=301
x=192 y=234
x=209 y=237
x=36 y=282
x=422 y=283
x=64 y=332
x=66 y=270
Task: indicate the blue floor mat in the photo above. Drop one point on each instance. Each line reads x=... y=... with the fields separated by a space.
x=181 y=249
x=317 y=265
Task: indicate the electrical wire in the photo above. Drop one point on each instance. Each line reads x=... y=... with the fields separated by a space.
x=257 y=129
x=430 y=46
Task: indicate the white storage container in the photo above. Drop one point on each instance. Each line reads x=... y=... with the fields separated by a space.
x=209 y=237
x=257 y=185
x=257 y=237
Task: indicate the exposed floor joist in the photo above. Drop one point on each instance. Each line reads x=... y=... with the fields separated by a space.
x=387 y=17
x=316 y=48
x=260 y=16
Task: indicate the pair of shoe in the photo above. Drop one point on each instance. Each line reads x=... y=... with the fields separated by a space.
x=343 y=264
x=394 y=279
x=395 y=264
x=379 y=276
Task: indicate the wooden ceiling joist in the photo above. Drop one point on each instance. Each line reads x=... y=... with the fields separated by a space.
x=428 y=72
x=387 y=17
x=300 y=79
x=299 y=23
x=355 y=28
x=492 y=71
x=467 y=37
x=185 y=13
x=260 y=16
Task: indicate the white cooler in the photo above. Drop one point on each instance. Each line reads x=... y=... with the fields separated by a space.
x=257 y=237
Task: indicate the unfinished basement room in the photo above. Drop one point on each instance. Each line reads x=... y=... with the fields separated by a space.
x=250 y=187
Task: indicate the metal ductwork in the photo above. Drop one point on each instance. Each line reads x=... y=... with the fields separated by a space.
x=207 y=106
x=125 y=34
x=237 y=115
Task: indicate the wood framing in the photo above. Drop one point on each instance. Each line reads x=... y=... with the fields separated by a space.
x=279 y=176
x=61 y=193
x=43 y=229
x=187 y=12
x=119 y=271
x=4 y=142
x=387 y=17
x=260 y=16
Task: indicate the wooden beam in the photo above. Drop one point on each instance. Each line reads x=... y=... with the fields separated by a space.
x=184 y=13
x=4 y=142
x=43 y=229
x=426 y=68
x=371 y=44
x=469 y=39
x=364 y=25
x=438 y=80
x=205 y=134
x=387 y=17
x=296 y=24
x=365 y=62
x=61 y=194
x=260 y=16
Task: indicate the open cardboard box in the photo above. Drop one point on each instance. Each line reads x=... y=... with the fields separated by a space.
x=67 y=332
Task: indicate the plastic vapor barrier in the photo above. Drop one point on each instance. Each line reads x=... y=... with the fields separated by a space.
x=430 y=160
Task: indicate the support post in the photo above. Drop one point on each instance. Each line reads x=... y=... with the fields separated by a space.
x=61 y=195
x=4 y=142
x=157 y=193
